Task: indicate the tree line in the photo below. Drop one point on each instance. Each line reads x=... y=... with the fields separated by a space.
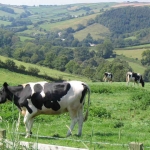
x=83 y=61
x=122 y=22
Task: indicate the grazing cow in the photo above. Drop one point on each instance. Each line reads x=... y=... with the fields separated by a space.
x=37 y=98
x=107 y=77
x=134 y=77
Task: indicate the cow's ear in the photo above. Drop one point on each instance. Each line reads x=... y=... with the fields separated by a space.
x=5 y=85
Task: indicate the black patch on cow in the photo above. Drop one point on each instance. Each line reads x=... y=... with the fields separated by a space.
x=136 y=76
x=83 y=93
x=26 y=94
x=106 y=74
x=53 y=93
x=37 y=99
x=111 y=75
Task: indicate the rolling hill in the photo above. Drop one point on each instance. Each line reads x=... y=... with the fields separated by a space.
x=47 y=18
x=13 y=77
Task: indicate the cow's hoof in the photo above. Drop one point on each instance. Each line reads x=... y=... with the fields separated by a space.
x=28 y=136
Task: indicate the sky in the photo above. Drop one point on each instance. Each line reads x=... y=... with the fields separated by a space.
x=59 y=2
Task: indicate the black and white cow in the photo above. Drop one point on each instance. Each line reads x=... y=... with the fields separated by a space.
x=37 y=98
x=107 y=77
x=134 y=77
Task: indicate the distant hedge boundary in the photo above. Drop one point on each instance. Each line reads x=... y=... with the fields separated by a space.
x=32 y=71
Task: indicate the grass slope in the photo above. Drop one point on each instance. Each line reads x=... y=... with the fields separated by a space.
x=43 y=70
x=131 y=53
x=96 y=30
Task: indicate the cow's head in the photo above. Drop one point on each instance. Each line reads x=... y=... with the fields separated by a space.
x=4 y=93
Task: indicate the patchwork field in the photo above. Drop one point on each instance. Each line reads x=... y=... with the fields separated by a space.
x=136 y=53
x=97 y=31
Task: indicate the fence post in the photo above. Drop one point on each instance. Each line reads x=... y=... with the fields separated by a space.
x=2 y=137
x=136 y=146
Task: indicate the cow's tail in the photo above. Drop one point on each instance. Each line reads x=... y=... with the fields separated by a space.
x=89 y=93
x=142 y=81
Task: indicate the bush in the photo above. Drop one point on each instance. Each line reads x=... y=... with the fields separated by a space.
x=33 y=71
x=141 y=100
x=100 y=112
x=118 y=124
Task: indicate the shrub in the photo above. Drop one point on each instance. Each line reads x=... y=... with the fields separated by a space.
x=141 y=100
x=100 y=112
x=33 y=70
x=118 y=124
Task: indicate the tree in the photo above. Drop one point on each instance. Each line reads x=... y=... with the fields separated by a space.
x=146 y=58
x=60 y=62
x=33 y=70
x=34 y=59
x=69 y=66
x=22 y=68
x=11 y=64
x=90 y=22
x=146 y=75
x=105 y=50
x=80 y=27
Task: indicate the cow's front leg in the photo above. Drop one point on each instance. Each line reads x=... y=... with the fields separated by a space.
x=27 y=126
x=28 y=121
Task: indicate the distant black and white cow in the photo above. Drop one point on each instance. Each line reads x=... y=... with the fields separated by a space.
x=37 y=98
x=134 y=77
x=107 y=77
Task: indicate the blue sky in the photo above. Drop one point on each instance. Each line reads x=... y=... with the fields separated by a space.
x=58 y=2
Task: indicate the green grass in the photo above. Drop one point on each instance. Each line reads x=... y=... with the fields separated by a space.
x=125 y=125
x=5 y=22
x=23 y=38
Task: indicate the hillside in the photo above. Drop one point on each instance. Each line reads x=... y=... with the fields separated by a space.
x=51 y=17
x=76 y=38
x=13 y=77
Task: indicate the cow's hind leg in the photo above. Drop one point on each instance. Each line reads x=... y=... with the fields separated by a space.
x=80 y=122
x=73 y=116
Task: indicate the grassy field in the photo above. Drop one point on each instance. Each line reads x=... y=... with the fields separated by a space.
x=114 y=121
x=144 y=46
x=137 y=68
x=136 y=53
x=68 y=23
x=96 y=30
x=4 y=22
x=23 y=38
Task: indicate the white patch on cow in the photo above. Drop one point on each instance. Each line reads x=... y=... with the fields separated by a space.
x=43 y=94
x=32 y=84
